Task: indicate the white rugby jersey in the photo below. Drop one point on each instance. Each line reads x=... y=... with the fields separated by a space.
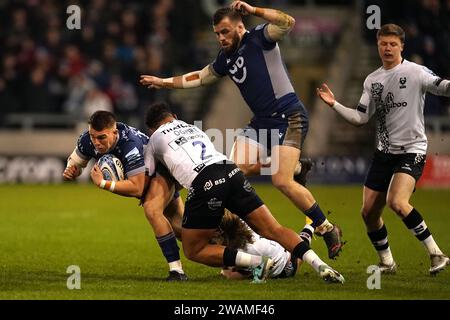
x=264 y=247
x=183 y=149
x=397 y=97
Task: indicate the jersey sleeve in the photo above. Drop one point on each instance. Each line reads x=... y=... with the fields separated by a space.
x=432 y=83
x=260 y=36
x=133 y=158
x=150 y=159
x=84 y=147
x=219 y=66
x=366 y=105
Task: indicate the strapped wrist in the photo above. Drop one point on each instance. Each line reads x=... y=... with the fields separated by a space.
x=108 y=185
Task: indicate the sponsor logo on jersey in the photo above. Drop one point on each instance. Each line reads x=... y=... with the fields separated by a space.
x=199 y=167
x=214 y=204
x=178 y=126
x=247 y=186
x=219 y=181
x=180 y=141
x=208 y=185
x=233 y=172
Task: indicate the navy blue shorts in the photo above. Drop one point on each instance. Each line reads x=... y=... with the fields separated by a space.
x=281 y=129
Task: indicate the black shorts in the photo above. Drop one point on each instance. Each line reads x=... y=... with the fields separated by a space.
x=218 y=186
x=384 y=165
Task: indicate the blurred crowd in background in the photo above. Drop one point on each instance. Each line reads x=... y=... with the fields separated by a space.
x=47 y=68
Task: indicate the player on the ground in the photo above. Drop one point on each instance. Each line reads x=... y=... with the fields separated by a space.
x=395 y=94
x=214 y=183
x=234 y=233
x=107 y=136
x=253 y=61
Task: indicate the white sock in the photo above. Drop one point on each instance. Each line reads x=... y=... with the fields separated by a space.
x=176 y=266
x=311 y=258
x=386 y=256
x=325 y=227
x=431 y=246
x=247 y=260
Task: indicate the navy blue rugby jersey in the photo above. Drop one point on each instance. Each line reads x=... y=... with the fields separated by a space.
x=129 y=148
x=258 y=70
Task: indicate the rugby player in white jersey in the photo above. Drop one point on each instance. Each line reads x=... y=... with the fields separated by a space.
x=214 y=183
x=233 y=232
x=395 y=94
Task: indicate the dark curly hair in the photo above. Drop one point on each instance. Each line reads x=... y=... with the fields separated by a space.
x=156 y=113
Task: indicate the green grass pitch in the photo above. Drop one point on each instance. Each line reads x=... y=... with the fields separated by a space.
x=44 y=229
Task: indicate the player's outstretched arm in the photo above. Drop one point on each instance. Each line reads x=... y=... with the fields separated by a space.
x=280 y=22
x=132 y=187
x=189 y=80
x=353 y=116
x=75 y=165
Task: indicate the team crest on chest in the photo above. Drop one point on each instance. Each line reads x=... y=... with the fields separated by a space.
x=402 y=83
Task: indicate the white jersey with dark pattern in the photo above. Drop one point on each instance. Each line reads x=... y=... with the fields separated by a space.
x=183 y=149
x=397 y=97
x=265 y=247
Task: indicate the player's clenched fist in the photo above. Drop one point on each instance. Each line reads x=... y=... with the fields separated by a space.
x=243 y=7
x=151 y=81
x=70 y=173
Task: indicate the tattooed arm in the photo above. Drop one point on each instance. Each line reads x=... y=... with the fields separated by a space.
x=280 y=22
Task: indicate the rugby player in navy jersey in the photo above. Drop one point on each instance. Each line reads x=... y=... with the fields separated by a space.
x=107 y=136
x=253 y=61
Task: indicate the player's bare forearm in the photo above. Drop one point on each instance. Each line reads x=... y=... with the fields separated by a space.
x=186 y=81
x=128 y=188
x=132 y=187
x=276 y=17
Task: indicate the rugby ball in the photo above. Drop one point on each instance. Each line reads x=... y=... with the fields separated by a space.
x=111 y=167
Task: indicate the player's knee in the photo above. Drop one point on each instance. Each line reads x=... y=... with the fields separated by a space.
x=192 y=253
x=398 y=205
x=281 y=183
x=152 y=213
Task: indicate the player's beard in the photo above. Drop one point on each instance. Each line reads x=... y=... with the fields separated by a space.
x=234 y=44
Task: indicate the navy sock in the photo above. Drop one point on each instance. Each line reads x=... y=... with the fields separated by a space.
x=169 y=247
x=316 y=215
x=229 y=257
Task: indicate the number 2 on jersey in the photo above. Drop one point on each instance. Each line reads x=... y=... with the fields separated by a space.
x=196 y=143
